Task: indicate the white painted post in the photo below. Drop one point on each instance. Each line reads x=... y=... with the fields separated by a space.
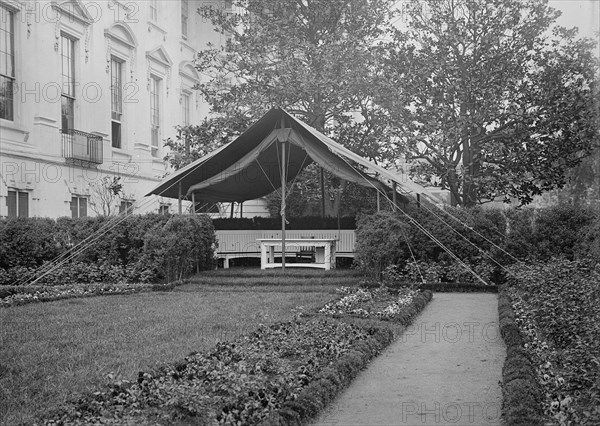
x=263 y=255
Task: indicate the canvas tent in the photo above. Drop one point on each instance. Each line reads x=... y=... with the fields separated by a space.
x=250 y=166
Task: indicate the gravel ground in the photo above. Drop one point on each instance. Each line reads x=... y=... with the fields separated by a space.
x=444 y=370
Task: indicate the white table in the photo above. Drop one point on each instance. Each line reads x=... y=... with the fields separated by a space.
x=324 y=252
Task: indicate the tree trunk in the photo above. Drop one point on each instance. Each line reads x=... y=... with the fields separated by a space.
x=455 y=197
x=470 y=161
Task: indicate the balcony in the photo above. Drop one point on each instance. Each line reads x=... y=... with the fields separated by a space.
x=82 y=147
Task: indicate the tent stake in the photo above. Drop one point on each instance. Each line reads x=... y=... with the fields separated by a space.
x=283 y=178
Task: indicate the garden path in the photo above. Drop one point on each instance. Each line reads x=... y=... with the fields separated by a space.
x=444 y=369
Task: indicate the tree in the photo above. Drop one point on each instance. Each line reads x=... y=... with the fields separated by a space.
x=104 y=194
x=490 y=98
x=318 y=59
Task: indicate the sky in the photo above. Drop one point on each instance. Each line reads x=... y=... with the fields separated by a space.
x=584 y=14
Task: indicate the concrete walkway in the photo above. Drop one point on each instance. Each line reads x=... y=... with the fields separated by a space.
x=444 y=370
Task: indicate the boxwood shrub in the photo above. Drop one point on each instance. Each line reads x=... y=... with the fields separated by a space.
x=521 y=393
x=136 y=248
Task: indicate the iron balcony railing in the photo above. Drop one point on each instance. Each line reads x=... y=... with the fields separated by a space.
x=82 y=146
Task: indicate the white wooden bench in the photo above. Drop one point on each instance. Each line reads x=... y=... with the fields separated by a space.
x=324 y=252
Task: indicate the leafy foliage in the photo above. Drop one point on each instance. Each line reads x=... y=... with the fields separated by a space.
x=184 y=245
x=380 y=242
x=556 y=306
x=319 y=60
x=492 y=99
x=136 y=248
x=22 y=295
x=289 y=370
x=27 y=242
x=105 y=193
x=520 y=390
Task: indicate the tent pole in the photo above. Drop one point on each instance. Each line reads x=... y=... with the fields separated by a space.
x=193 y=203
x=232 y=204
x=241 y=209
x=322 y=193
x=283 y=181
x=378 y=202
x=394 y=198
x=179 y=197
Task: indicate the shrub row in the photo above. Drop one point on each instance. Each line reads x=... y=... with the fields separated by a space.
x=281 y=374
x=521 y=393
x=556 y=306
x=272 y=223
x=482 y=239
x=136 y=248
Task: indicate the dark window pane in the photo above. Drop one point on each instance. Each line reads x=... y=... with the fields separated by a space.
x=11 y=203
x=74 y=207
x=23 y=204
x=67 y=118
x=82 y=207
x=116 y=134
x=6 y=98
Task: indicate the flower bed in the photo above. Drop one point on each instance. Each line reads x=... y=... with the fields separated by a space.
x=281 y=374
x=556 y=310
x=22 y=295
x=371 y=303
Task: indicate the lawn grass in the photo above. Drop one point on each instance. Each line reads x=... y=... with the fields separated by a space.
x=50 y=351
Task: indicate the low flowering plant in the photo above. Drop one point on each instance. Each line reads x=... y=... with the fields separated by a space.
x=370 y=303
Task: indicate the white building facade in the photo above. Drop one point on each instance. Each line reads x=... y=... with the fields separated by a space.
x=89 y=90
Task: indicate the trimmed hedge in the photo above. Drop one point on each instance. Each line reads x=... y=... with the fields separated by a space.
x=482 y=240
x=136 y=248
x=521 y=393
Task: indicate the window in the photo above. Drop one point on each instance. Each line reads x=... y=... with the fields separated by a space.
x=163 y=209
x=78 y=207
x=184 y=18
x=155 y=113
x=17 y=203
x=116 y=91
x=7 y=63
x=153 y=10
x=185 y=108
x=126 y=207
x=67 y=54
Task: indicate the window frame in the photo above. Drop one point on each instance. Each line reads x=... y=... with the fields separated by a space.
x=18 y=205
x=79 y=206
x=68 y=81
x=186 y=108
x=116 y=101
x=126 y=207
x=9 y=62
x=155 y=114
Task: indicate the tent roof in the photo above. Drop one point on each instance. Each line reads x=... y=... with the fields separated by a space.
x=249 y=167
